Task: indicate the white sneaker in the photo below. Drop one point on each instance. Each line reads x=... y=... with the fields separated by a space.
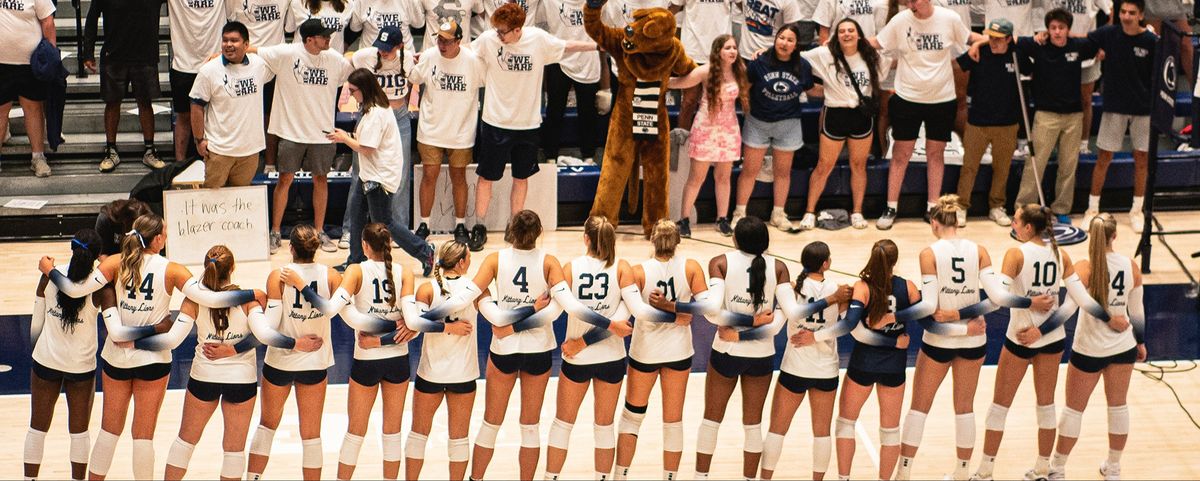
x=39 y=167
x=568 y=161
x=961 y=218
x=1088 y=216
x=980 y=477
x=733 y=221
x=767 y=173
x=780 y=221
x=1056 y=474
x=858 y=221
x=1000 y=217
x=589 y=161
x=344 y=241
x=1137 y=220
x=809 y=222
x=1083 y=148
x=1022 y=152
x=1033 y=475
x=327 y=244
x=269 y=169
x=987 y=156
x=1111 y=472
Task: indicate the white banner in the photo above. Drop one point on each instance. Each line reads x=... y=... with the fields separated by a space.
x=197 y=219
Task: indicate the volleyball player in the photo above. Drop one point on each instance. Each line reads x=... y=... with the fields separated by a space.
x=661 y=347
x=297 y=317
x=594 y=351
x=64 y=357
x=1104 y=346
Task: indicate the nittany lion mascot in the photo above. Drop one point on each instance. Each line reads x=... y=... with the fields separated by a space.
x=647 y=54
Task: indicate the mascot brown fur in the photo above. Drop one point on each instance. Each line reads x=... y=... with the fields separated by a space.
x=647 y=54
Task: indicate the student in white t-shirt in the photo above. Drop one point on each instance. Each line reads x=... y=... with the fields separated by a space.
x=703 y=21
x=515 y=56
x=371 y=16
x=22 y=26
x=871 y=16
x=763 y=19
x=578 y=71
x=195 y=35
x=227 y=110
x=265 y=19
x=438 y=12
x=333 y=14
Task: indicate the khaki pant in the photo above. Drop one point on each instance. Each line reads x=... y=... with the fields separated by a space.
x=976 y=139
x=1051 y=129
x=225 y=171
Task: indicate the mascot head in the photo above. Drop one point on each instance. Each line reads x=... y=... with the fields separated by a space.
x=652 y=32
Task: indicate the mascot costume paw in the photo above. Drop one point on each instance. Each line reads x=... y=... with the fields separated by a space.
x=647 y=54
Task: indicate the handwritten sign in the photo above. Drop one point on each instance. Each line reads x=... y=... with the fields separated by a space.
x=232 y=216
x=542 y=198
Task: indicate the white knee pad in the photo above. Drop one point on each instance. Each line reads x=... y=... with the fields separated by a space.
x=486 y=437
x=415 y=448
x=889 y=436
x=143 y=459
x=673 y=437
x=754 y=438
x=1118 y=419
x=393 y=447
x=914 y=427
x=311 y=455
x=530 y=437
x=995 y=419
x=35 y=445
x=772 y=448
x=263 y=438
x=180 y=453
x=822 y=451
x=844 y=428
x=102 y=453
x=1071 y=423
x=80 y=443
x=560 y=434
x=605 y=436
x=964 y=430
x=351 y=445
x=1045 y=416
x=232 y=464
x=706 y=439
x=459 y=450
x=631 y=422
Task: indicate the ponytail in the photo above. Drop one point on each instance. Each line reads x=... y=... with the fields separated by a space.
x=877 y=274
x=449 y=255
x=602 y=237
x=85 y=248
x=379 y=239
x=1100 y=232
x=750 y=235
x=1042 y=220
x=665 y=237
x=145 y=228
x=218 y=264
x=812 y=259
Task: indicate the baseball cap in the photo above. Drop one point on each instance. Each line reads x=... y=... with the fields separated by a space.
x=450 y=30
x=999 y=27
x=389 y=38
x=314 y=27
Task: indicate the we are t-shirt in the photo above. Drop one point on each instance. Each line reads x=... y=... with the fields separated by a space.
x=839 y=92
x=992 y=98
x=775 y=88
x=450 y=103
x=703 y=21
x=195 y=32
x=338 y=21
x=305 y=91
x=763 y=19
x=564 y=20
x=438 y=12
x=871 y=15
x=512 y=95
x=377 y=129
x=1026 y=16
x=924 y=49
x=232 y=96
x=265 y=19
x=370 y=16
x=618 y=13
x=962 y=8
x=20 y=20
x=391 y=74
x=1128 y=68
x=1056 y=72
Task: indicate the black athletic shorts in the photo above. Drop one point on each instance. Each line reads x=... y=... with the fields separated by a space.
x=799 y=385
x=116 y=78
x=907 y=117
x=18 y=81
x=684 y=364
x=181 y=89
x=495 y=147
x=149 y=372
x=1091 y=364
x=944 y=355
x=611 y=372
x=1028 y=352
x=430 y=387
x=394 y=370
x=734 y=366
x=841 y=123
x=866 y=378
x=280 y=377
x=212 y=391
x=54 y=375
x=536 y=363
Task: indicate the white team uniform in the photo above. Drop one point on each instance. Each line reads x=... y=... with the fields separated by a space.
x=1040 y=274
x=301 y=319
x=596 y=287
x=240 y=368
x=144 y=305
x=820 y=360
x=372 y=300
x=520 y=279
x=737 y=300
x=1092 y=336
x=70 y=350
x=653 y=342
x=958 y=287
x=446 y=358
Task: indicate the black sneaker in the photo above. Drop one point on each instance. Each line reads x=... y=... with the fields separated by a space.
x=427 y=260
x=927 y=212
x=886 y=220
x=461 y=235
x=685 y=227
x=478 y=238
x=422 y=231
x=723 y=227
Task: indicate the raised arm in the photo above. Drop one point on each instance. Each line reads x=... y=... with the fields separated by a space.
x=608 y=38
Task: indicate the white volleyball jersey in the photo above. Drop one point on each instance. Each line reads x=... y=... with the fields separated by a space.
x=372 y=300
x=1040 y=274
x=446 y=358
x=655 y=342
x=301 y=319
x=144 y=305
x=1092 y=336
x=596 y=287
x=738 y=300
x=71 y=349
x=520 y=279
x=820 y=360
x=958 y=287
x=236 y=369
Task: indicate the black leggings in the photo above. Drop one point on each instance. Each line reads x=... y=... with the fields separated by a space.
x=44 y=395
x=557 y=86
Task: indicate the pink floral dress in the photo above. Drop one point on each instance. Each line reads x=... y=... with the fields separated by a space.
x=717 y=138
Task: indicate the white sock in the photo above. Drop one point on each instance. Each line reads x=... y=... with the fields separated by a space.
x=425 y=220
x=893 y=204
x=38 y=155
x=930 y=205
x=700 y=476
x=460 y=220
x=1059 y=460
x=1114 y=456
x=601 y=476
x=1094 y=203
x=670 y=475
x=904 y=468
x=962 y=469
x=739 y=210
x=620 y=473
x=986 y=465
x=777 y=210
x=1137 y=204
x=551 y=476
x=1042 y=464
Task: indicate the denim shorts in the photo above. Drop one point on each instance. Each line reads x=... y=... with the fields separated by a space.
x=781 y=135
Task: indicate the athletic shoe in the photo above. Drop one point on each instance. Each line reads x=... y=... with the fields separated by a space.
x=766 y=174
x=886 y=220
x=427 y=260
x=110 y=161
x=461 y=235
x=1111 y=472
x=276 y=241
x=422 y=231
x=723 y=227
x=1056 y=474
x=1062 y=219
x=327 y=244
x=685 y=227
x=478 y=238
x=39 y=167
x=1033 y=475
x=344 y=241
x=733 y=221
x=269 y=169
x=858 y=221
x=980 y=477
x=1137 y=220
x=151 y=159
x=780 y=221
x=960 y=218
x=809 y=221
x=1088 y=216
x=1000 y=217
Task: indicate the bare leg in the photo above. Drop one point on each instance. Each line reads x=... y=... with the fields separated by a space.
x=35 y=124
x=145 y=118
x=782 y=168
x=458 y=413
x=393 y=417
x=519 y=188
x=1140 y=162
x=891 y=399
x=935 y=166
x=783 y=408
x=1010 y=371
x=717 y=390
x=637 y=393
x=320 y=200
x=458 y=184
x=429 y=178
x=696 y=175
x=196 y=414
x=820 y=403
x=570 y=396
x=360 y=401
x=237 y=426
x=853 y=397
x=966 y=380
x=722 y=173
x=859 y=150
x=674 y=391
x=533 y=394
x=754 y=395
x=483 y=198
x=752 y=159
x=112 y=117
x=826 y=160
x=1045 y=379
x=1100 y=171
x=270 y=413
x=310 y=402
x=279 y=200
x=183 y=134
x=499 y=389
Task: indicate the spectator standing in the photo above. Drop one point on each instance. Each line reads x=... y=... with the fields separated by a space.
x=334 y=14
x=195 y=36
x=438 y=12
x=763 y=20
x=1129 y=62
x=23 y=24
x=126 y=60
x=227 y=118
x=114 y=220
x=703 y=21
x=1084 y=13
x=371 y=16
x=1023 y=14
x=870 y=15
x=579 y=71
x=481 y=22
x=266 y=20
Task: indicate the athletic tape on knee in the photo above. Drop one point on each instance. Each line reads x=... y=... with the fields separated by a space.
x=673 y=437
x=459 y=450
x=1045 y=416
x=772 y=448
x=530 y=437
x=263 y=438
x=914 y=427
x=889 y=436
x=964 y=430
x=1118 y=420
x=180 y=454
x=102 y=453
x=631 y=422
x=351 y=445
x=844 y=428
x=605 y=436
x=560 y=434
x=706 y=439
x=1071 y=423
x=415 y=448
x=143 y=459
x=35 y=445
x=393 y=447
x=80 y=444
x=311 y=455
x=232 y=464
x=754 y=438
x=822 y=451
x=995 y=419
x=486 y=437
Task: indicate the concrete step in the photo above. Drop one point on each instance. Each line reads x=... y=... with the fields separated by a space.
x=87 y=147
x=65 y=26
x=58 y=205
x=88 y=117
